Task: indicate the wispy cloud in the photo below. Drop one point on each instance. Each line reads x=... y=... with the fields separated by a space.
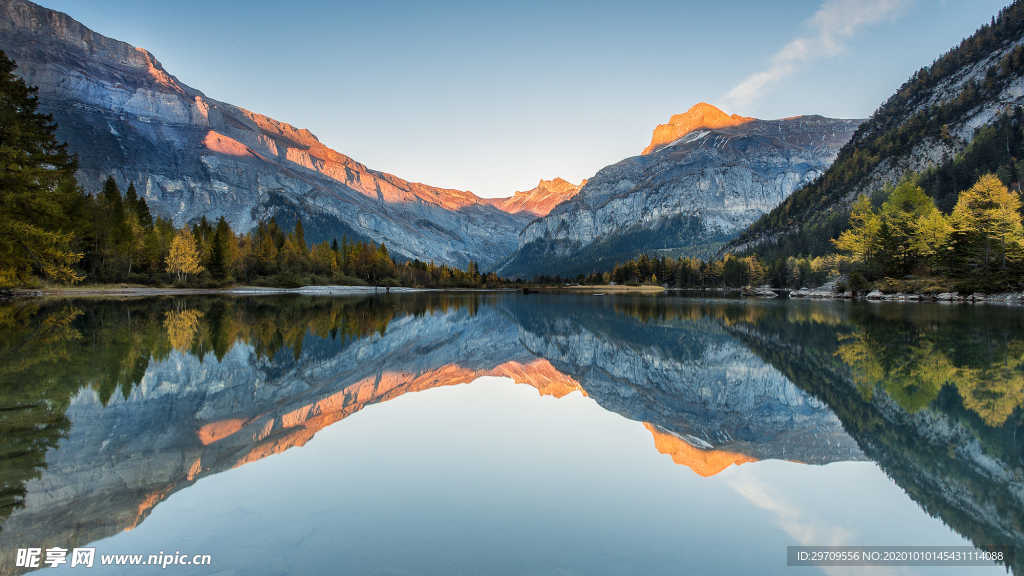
x=834 y=23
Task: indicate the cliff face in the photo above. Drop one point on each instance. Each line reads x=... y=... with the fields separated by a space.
x=191 y=156
x=686 y=196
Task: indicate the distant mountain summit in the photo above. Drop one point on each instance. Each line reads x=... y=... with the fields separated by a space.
x=705 y=177
x=701 y=115
x=540 y=199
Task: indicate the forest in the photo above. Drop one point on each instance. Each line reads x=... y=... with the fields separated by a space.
x=978 y=246
x=694 y=273
x=121 y=242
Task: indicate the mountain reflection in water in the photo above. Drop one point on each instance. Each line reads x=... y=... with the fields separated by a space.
x=109 y=407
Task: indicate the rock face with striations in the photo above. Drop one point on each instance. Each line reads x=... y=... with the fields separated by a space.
x=704 y=178
x=192 y=156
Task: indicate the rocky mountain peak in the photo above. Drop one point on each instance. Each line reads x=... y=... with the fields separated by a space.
x=557 y=185
x=700 y=115
x=541 y=199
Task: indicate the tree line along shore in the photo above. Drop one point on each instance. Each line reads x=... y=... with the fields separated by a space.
x=53 y=235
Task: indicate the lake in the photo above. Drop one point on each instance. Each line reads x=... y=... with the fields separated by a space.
x=498 y=433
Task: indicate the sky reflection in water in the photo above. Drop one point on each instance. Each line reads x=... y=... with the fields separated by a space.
x=644 y=436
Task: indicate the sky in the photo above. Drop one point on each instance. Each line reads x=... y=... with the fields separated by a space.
x=491 y=97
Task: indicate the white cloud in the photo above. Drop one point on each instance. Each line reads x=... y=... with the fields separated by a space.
x=803 y=522
x=835 y=22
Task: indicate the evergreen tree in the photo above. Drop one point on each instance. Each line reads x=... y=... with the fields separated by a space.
x=300 y=234
x=295 y=255
x=137 y=204
x=202 y=231
x=37 y=187
x=223 y=252
x=112 y=232
x=137 y=220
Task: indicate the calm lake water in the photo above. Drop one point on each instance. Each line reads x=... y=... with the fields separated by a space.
x=507 y=434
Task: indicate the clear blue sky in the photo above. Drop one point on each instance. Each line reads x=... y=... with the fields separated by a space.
x=491 y=97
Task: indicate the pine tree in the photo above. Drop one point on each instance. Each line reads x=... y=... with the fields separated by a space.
x=295 y=255
x=137 y=204
x=300 y=234
x=324 y=259
x=112 y=232
x=223 y=252
x=202 y=231
x=36 y=187
x=138 y=221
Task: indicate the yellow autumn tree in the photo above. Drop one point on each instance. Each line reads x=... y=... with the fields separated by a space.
x=183 y=258
x=987 y=229
x=181 y=326
x=859 y=242
x=930 y=236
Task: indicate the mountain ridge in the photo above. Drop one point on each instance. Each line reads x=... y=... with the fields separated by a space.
x=685 y=198
x=192 y=156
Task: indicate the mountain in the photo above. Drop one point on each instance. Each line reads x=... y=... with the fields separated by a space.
x=926 y=124
x=191 y=156
x=703 y=179
x=541 y=199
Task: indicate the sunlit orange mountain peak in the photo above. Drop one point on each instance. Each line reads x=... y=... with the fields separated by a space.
x=541 y=199
x=701 y=115
x=703 y=462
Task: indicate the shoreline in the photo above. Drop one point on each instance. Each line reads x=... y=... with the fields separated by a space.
x=1006 y=298
x=756 y=293
x=597 y=289
x=147 y=291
